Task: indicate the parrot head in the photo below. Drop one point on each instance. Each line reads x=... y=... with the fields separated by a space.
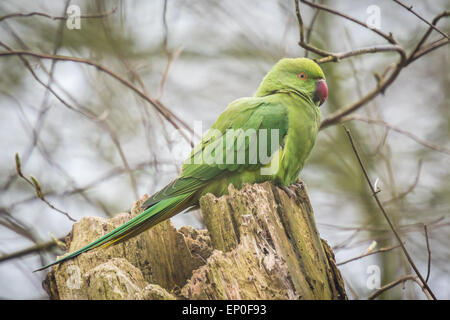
x=300 y=74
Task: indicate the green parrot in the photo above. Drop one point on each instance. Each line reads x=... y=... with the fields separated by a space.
x=267 y=137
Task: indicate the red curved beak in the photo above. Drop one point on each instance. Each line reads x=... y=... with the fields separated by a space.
x=321 y=90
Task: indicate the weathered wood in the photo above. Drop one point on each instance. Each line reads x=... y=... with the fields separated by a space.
x=163 y=256
x=260 y=244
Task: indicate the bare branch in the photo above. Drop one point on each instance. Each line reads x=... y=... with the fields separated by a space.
x=421 y=18
x=393 y=284
x=380 y=205
x=336 y=57
x=310 y=29
x=367 y=254
x=427 y=49
x=302 y=42
x=388 y=37
x=425 y=228
x=45 y=15
x=37 y=187
x=35 y=248
x=426 y=35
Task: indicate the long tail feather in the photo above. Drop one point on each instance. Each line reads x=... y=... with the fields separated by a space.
x=150 y=217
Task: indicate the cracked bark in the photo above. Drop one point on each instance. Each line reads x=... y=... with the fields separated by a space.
x=260 y=243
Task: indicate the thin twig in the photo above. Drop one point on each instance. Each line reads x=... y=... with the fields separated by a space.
x=311 y=25
x=310 y=29
x=302 y=41
x=421 y=18
x=403 y=228
x=429 y=253
x=367 y=254
x=41 y=14
x=421 y=141
x=388 y=237
x=388 y=37
x=352 y=290
x=37 y=187
x=391 y=285
x=336 y=57
x=37 y=247
x=380 y=205
x=428 y=32
x=170 y=58
x=427 y=49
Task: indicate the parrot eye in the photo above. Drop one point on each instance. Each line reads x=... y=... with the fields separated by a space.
x=302 y=76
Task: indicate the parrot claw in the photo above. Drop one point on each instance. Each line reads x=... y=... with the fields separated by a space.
x=289 y=192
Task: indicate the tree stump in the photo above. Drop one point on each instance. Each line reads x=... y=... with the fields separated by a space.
x=260 y=243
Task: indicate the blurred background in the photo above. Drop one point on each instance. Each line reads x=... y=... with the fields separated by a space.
x=95 y=146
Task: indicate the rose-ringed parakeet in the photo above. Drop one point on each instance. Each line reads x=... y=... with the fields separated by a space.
x=284 y=108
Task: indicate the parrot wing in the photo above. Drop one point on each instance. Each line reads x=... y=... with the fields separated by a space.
x=240 y=116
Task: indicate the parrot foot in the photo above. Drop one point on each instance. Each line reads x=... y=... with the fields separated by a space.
x=289 y=192
x=299 y=184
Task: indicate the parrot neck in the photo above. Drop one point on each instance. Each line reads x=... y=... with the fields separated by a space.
x=302 y=95
x=270 y=86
